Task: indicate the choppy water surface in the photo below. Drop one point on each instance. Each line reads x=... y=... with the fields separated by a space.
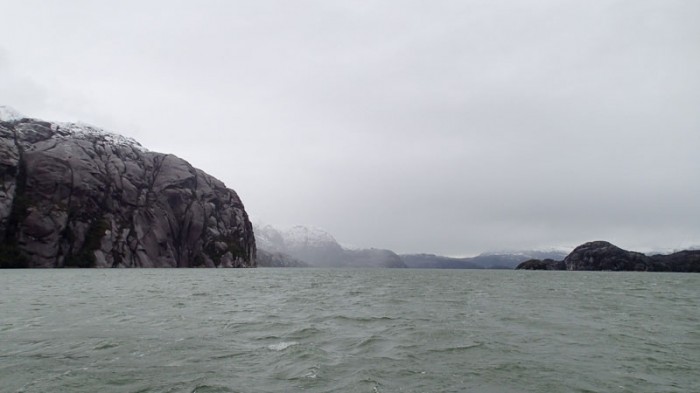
x=277 y=330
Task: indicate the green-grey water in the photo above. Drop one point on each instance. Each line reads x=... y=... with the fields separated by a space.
x=291 y=330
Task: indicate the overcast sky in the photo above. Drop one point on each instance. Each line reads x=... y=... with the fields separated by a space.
x=449 y=127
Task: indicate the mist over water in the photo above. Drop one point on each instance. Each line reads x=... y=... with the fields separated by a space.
x=325 y=330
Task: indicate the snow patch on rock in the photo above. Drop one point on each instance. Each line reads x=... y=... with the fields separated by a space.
x=86 y=131
x=77 y=130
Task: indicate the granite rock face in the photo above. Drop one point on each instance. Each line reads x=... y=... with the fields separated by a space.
x=75 y=196
x=601 y=255
x=544 y=264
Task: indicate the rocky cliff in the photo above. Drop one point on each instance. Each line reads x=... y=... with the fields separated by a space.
x=73 y=195
x=601 y=255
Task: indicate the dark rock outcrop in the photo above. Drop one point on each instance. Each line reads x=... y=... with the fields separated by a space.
x=545 y=264
x=601 y=255
x=75 y=196
x=682 y=261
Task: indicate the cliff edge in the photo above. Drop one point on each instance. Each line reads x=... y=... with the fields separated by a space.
x=72 y=195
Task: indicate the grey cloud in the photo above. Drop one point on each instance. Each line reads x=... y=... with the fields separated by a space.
x=20 y=90
x=444 y=126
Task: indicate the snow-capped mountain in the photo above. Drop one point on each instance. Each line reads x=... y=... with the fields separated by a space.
x=301 y=237
x=86 y=131
x=77 y=130
x=294 y=239
x=317 y=247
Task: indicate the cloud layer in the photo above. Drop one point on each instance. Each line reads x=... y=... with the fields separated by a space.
x=451 y=127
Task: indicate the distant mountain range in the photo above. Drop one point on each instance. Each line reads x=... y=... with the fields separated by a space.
x=301 y=246
x=499 y=260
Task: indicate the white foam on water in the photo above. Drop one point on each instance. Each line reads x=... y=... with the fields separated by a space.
x=281 y=346
x=312 y=374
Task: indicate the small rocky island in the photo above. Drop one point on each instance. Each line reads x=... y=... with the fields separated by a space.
x=73 y=195
x=601 y=255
